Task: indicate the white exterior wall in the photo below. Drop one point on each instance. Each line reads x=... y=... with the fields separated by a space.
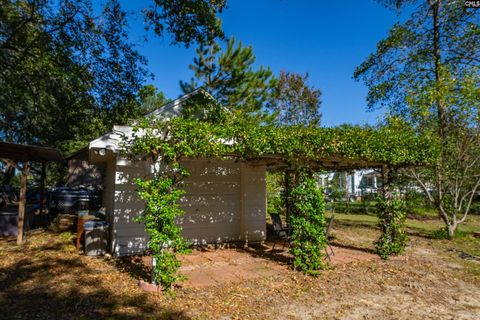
x=211 y=202
x=225 y=201
x=128 y=237
x=254 y=207
x=109 y=187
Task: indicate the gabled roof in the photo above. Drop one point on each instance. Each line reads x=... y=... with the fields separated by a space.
x=175 y=107
x=112 y=139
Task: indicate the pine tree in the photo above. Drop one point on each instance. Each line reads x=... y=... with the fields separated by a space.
x=188 y=21
x=230 y=77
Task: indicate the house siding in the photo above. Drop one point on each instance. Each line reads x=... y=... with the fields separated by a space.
x=255 y=202
x=211 y=202
x=82 y=173
x=128 y=236
x=216 y=208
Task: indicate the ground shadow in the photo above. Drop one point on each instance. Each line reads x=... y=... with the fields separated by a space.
x=410 y=230
x=358 y=224
x=264 y=251
x=420 y=233
x=135 y=266
x=352 y=247
x=44 y=285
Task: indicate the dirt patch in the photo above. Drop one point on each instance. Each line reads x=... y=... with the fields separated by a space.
x=225 y=266
x=344 y=255
x=48 y=279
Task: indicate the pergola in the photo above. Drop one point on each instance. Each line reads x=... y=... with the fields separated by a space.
x=20 y=156
x=329 y=163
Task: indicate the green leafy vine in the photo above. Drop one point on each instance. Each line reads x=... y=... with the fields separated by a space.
x=392 y=215
x=308 y=224
x=168 y=142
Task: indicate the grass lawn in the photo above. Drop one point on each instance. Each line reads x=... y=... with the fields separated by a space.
x=351 y=230
x=427 y=226
x=434 y=279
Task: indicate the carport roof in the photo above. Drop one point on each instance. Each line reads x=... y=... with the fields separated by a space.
x=24 y=152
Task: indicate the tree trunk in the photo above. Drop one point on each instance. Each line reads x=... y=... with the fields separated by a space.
x=451 y=230
x=435 y=5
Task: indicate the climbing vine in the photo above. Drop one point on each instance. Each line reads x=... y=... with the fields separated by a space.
x=168 y=142
x=161 y=209
x=161 y=193
x=392 y=215
x=308 y=224
x=391 y=218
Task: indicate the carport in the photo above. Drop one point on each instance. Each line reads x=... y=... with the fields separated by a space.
x=21 y=156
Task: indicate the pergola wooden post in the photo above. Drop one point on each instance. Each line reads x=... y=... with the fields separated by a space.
x=43 y=176
x=22 y=203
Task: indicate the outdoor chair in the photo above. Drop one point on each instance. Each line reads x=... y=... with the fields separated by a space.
x=281 y=232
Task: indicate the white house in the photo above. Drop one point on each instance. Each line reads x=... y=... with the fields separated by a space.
x=355 y=183
x=224 y=201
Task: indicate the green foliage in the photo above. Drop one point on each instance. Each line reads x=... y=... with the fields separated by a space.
x=230 y=77
x=396 y=144
x=392 y=216
x=442 y=234
x=188 y=21
x=167 y=142
x=293 y=102
x=426 y=72
x=404 y=63
x=476 y=207
x=67 y=74
x=308 y=224
x=275 y=193
x=336 y=187
x=161 y=209
x=416 y=202
x=74 y=59
x=150 y=99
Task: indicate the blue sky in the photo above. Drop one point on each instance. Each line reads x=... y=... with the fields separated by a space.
x=327 y=39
